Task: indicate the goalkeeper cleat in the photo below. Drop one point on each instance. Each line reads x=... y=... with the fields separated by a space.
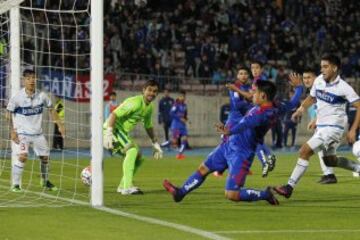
x=271 y=161
x=130 y=191
x=285 y=190
x=174 y=191
x=271 y=198
x=16 y=189
x=48 y=185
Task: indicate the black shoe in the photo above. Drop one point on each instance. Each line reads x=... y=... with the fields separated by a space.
x=271 y=198
x=48 y=185
x=328 y=179
x=173 y=190
x=271 y=161
x=285 y=190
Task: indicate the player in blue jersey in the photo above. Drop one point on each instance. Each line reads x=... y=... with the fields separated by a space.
x=267 y=159
x=237 y=153
x=240 y=96
x=178 y=127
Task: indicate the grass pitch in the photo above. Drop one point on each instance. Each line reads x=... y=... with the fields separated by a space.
x=314 y=211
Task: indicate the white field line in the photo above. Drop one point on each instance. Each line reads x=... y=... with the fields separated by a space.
x=180 y=227
x=288 y=231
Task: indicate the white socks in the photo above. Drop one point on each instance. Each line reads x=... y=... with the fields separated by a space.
x=298 y=171
x=17 y=171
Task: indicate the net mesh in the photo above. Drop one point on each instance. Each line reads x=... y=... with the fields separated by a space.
x=55 y=43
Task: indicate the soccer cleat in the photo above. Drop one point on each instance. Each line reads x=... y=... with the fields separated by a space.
x=285 y=190
x=174 y=191
x=328 y=179
x=265 y=170
x=180 y=156
x=16 y=188
x=356 y=175
x=271 y=161
x=48 y=185
x=271 y=198
x=130 y=191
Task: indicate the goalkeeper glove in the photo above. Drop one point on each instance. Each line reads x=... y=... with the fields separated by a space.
x=158 y=153
x=108 y=138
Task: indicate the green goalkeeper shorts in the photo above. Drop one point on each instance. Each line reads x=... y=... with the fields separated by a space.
x=122 y=142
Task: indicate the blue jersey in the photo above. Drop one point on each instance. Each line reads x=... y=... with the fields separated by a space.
x=250 y=131
x=238 y=104
x=178 y=111
x=286 y=106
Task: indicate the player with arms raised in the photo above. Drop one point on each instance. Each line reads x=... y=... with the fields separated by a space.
x=118 y=126
x=26 y=110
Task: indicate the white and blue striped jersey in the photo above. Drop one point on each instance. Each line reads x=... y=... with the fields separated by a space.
x=27 y=111
x=331 y=99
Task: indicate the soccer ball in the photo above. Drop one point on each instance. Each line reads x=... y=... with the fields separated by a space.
x=140 y=3
x=86 y=176
x=356 y=149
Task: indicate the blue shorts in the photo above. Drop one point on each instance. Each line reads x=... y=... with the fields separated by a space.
x=237 y=162
x=179 y=132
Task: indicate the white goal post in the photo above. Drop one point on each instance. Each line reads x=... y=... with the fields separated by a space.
x=96 y=82
x=97 y=99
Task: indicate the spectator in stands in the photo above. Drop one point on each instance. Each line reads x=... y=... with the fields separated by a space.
x=205 y=70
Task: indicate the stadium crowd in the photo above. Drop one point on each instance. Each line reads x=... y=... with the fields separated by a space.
x=209 y=38
x=204 y=39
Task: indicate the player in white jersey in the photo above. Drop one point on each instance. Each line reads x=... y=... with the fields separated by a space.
x=331 y=94
x=26 y=108
x=328 y=176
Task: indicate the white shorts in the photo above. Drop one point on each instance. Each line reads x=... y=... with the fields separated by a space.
x=326 y=139
x=38 y=142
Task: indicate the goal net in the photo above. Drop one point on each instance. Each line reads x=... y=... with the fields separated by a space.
x=55 y=43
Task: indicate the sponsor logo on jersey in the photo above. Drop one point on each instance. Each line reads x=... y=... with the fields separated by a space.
x=28 y=111
x=329 y=97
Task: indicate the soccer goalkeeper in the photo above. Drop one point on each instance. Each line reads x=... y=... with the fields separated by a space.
x=116 y=134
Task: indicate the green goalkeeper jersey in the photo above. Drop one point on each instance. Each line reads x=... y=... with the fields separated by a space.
x=132 y=111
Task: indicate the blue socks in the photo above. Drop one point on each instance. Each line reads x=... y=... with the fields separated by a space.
x=193 y=182
x=262 y=151
x=250 y=195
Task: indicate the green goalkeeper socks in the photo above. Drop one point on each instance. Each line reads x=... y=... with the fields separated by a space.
x=129 y=168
